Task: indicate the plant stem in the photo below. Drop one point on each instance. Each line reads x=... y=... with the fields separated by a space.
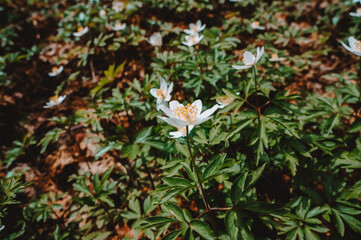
x=255 y=82
x=147 y=169
x=359 y=81
x=200 y=187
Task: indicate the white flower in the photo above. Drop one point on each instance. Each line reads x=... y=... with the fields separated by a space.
x=80 y=31
x=357 y=13
x=118 y=6
x=189 y=115
x=182 y=131
x=224 y=101
x=355 y=1
x=275 y=58
x=195 y=28
x=156 y=39
x=118 y=26
x=192 y=40
x=55 y=71
x=255 y=25
x=103 y=13
x=54 y=100
x=355 y=46
x=235 y=0
x=163 y=93
x=249 y=59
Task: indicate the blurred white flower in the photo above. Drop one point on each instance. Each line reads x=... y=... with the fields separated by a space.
x=156 y=39
x=354 y=46
x=102 y=13
x=249 y=59
x=55 y=71
x=80 y=31
x=163 y=93
x=182 y=131
x=118 y=26
x=118 y=6
x=355 y=1
x=195 y=28
x=275 y=58
x=192 y=40
x=255 y=25
x=357 y=13
x=181 y=116
x=224 y=101
x=54 y=100
x=235 y=0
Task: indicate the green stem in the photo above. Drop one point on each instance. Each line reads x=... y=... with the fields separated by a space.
x=200 y=187
x=255 y=82
x=359 y=81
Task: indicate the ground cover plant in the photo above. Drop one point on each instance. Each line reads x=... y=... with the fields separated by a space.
x=181 y=119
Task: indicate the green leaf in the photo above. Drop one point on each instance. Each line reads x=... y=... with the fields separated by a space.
x=231 y=224
x=202 y=229
x=172 y=235
x=143 y=135
x=339 y=223
x=177 y=181
x=154 y=222
x=356 y=126
x=238 y=188
x=230 y=94
x=175 y=210
x=97 y=235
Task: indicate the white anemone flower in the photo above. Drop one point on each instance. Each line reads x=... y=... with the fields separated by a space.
x=54 y=100
x=55 y=71
x=163 y=93
x=118 y=26
x=102 y=13
x=80 y=31
x=357 y=13
x=356 y=1
x=255 y=25
x=249 y=59
x=118 y=6
x=192 y=40
x=195 y=28
x=189 y=115
x=181 y=132
x=275 y=58
x=224 y=101
x=156 y=39
x=355 y=46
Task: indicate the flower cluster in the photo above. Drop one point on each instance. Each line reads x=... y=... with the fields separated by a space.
x=193 y=36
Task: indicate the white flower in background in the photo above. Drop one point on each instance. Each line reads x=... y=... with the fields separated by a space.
x=103 y=13
x=54 y=100
x=355 y=46
x=255 y=25
x=156 y=39
x=55 y=71
x=118 y=26
x=189 y=115
x=249 y=59
x=357 y=13
x=195 y=28
x=163 y=93
x=118 y=6
x=275 y=58
x=192 y=40
x=80 y=31
x=224 y=101
x=355 y=1
x=182 y=131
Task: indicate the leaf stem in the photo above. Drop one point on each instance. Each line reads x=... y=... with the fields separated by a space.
x=200 y=187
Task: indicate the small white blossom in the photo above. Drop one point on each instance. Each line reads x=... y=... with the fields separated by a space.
x=354 y=46
x=182 y=131
x=356 y=1
x=195 y=28
x=156 y=39
x=192 y=40
x=224 y=101
x=54 y=100
x=103 y=13
x=357 y=13
x=249 y=59
x=275 y=58
x=255 y=25
x=163 y=93
x=189 y=115
x=118 y=26
x=55 y=71
x=118 y=6
x=80 y=31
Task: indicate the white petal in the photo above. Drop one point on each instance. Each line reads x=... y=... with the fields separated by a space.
x=248 y=58
x=166 y=110
x=52 y=74
x=176 y=134
x=163 y=84
x=355 y=14
x=174 y=104
x=198 y=105
x=170 y=88
x=352 y=42
x=241 y=67
x=347 y=47
x=153 y=91
x=61 y=99
x=259 y=53
x=188 y=31
x=209 y=112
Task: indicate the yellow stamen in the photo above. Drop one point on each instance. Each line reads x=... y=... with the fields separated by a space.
x=54 y=98
x=186 y=113
x=80 y=28
x=274 y=56
x=161 y=94
x=54 y=69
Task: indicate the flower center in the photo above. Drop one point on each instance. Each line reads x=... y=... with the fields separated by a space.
x=182 y=130
x=193 y=39
x=274 y=56
x=54 y=70
x=160 y=93
x=358 y=46
x=186 y=113
x=80 y=28
x=255 y=24
x=358 y=11
x=54 y=98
